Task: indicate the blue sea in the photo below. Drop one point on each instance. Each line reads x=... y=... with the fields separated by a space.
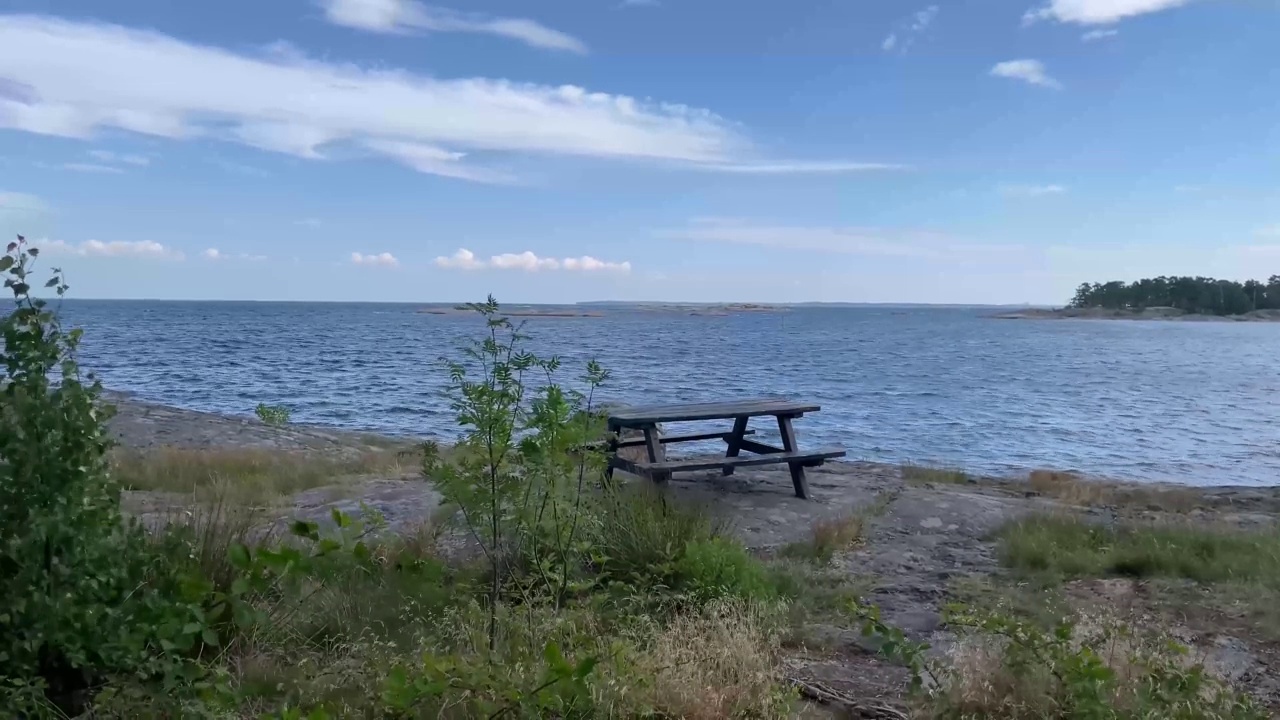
x=1196 y=403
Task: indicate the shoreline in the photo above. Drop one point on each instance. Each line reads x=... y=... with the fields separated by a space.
x=1157 y=314
x=144 y=425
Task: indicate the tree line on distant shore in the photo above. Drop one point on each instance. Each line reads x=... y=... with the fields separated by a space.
x=1202 y=295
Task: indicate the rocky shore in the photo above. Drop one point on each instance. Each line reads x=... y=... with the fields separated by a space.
x=928 y=540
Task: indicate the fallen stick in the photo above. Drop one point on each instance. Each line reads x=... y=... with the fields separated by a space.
x=820 y=693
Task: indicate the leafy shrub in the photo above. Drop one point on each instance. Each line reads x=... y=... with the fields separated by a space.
x=721 y=568
x=273 y=415
x=76 y=598
x=521 y=470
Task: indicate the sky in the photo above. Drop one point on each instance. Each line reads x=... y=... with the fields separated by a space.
x=968 y=151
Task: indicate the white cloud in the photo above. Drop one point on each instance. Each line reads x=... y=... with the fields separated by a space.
x=1097 y=12
x=216 y=254
x=1031 y=190
x=79 y=77
x=1270 y=231
x=527 y=261
x=107 y=156
x=309 y=222
x=114 y=248
x=384 y=259
x=91 y=168
x=907 y=29
x=463 y=259
x=586 y=263
x=639 y=3
x=436 y=161
x=1096 y=35
x=1030 y=71
x=400 y=16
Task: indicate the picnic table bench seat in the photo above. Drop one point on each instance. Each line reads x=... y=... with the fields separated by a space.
x=658 y=468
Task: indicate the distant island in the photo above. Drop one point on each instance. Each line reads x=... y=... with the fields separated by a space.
x=1169 y=298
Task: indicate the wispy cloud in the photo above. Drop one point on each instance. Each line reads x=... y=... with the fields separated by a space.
x=639 y=3
x=406 y=16
x=1028 y=71
x=1096 y=35
x=309 y=222
x=107 y=156
x=1270 y=231
x=384 y=259
x=286 y=103
x=908 y=29
x=437 y=161
x=114 y=248
x=1097 y=12
x=1031 y=190
x=216 y=254
x=91 y=168
x=527 y=261
x=15 y=201
x=799 y=167
x=827 y=239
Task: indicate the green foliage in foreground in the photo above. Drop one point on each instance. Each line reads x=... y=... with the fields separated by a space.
x=589 y=602
x=273 y=415
x=1200 y=295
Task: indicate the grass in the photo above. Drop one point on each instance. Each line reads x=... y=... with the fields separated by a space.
x=1075 y=490
x=928 y=475
x=835 y=534
x=1070 y=547
x=257 y=472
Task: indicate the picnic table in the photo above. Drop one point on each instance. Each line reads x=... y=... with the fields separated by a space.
x=658 y=468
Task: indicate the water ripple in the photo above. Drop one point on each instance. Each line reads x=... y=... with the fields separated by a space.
x=1191 y=402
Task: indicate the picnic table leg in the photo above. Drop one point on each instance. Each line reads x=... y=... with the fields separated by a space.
x=735 y=441
x=789 y=444
x=655 y=451
x=612 y=451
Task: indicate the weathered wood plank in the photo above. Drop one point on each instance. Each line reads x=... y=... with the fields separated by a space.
x=735 y=441
x=788 y=433
x=759 y=448
x=803 y=457
x=632 y=417
x=668 y=439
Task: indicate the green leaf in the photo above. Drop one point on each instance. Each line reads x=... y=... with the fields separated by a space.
x=33 y=252
x=52 y=281
x=209 y=637
x=6 y=262
x=238 y=554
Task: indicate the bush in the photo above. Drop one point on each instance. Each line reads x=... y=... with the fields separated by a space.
x=77 y=600
x=722 y=568
x=273 y=415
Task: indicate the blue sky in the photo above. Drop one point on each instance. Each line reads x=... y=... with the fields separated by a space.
x=702 y=150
